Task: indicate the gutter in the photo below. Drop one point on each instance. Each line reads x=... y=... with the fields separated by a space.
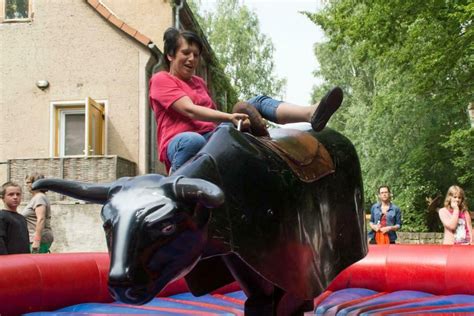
x=177 y=9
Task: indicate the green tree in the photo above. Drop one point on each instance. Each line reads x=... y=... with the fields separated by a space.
x=245 y=54
x=407 y=70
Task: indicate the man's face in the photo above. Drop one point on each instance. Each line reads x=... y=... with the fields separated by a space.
x=384 y=195
x=183 y=65
x=12 y=198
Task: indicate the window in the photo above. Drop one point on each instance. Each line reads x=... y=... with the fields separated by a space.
x=78 y=128
x=17 y=10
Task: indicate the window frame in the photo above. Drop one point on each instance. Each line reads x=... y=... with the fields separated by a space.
x=27 y=19
x=60 y=108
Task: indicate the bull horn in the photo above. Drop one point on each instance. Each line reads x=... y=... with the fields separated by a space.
x=201 y=191
x=95 y=193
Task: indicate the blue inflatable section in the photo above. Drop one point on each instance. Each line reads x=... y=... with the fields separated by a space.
x=181 y=304
x=352 y=301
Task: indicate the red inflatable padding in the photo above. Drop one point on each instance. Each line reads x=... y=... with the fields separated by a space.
x=436 y=269
x=31 y=283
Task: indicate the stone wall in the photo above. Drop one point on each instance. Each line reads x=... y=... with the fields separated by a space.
x=419 y=238
x=91 y=169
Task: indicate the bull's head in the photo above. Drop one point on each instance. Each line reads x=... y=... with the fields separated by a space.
x=155 y=228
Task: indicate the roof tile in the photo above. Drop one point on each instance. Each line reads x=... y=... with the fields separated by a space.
x=142 y=38
x=93 y=3
x=103 y=11
x=115 y=21
x=129 y=30
x=107 y=14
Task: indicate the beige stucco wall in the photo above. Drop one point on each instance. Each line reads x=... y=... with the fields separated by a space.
x=77 y=228
x=81 y=55
x=131 y=11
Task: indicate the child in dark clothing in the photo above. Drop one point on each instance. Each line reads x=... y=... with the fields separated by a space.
x=13 y=228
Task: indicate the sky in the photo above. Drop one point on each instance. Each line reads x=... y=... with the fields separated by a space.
x=293 y=36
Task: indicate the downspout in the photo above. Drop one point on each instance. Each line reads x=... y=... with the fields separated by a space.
x=155 y=64
x=176 y=10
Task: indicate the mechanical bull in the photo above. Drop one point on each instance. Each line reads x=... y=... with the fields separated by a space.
x=282 y=215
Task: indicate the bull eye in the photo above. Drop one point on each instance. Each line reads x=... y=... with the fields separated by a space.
x=168 y=229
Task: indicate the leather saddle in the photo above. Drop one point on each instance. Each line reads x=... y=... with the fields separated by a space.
x=303 y=153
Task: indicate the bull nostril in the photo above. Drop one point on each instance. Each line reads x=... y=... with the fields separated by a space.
x=136 y=293
x=130 y=295
x=113 y=294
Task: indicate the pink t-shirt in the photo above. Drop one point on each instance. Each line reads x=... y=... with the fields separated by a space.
x=461 y=234
x=165 y=89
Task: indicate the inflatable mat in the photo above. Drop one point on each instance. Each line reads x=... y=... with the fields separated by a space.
x=393 y=279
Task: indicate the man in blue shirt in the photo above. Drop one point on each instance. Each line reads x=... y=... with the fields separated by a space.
x=385 y=217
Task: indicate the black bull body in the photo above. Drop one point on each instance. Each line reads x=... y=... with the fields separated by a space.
x=235 y=211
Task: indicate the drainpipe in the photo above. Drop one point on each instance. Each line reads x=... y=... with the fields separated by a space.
x=154 y=64
x=177 y=9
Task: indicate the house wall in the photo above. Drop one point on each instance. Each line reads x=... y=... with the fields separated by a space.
x=158 y=17
x=81 y=55
x=69 y=223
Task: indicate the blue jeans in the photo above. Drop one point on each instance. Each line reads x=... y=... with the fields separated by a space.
x=186 y=145
x=266 y=106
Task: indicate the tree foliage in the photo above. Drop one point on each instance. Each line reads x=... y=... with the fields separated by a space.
x=245 y=54
x=407 y=70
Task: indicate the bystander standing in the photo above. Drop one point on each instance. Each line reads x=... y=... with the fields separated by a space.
x=38 y=217
x=13 y=229
x=385 y=218
x=455 y=218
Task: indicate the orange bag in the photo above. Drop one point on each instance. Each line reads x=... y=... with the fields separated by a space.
x=381 y=238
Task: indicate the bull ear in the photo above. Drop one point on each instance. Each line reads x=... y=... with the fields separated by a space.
x=197 y=190
x=95 y=193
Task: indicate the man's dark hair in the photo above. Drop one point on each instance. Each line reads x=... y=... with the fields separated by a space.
x=171 y=40
x=384 y=186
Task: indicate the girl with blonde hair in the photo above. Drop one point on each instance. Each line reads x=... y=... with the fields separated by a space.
x=455 y=218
